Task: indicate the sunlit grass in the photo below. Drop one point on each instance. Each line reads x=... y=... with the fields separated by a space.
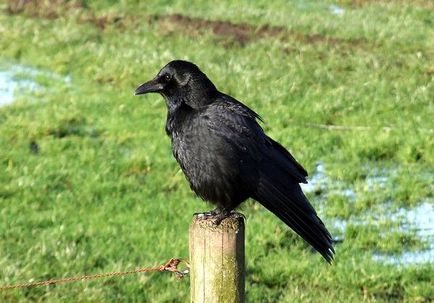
x=104 y=192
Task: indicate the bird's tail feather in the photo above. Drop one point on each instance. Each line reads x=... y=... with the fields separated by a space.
x=288 y=202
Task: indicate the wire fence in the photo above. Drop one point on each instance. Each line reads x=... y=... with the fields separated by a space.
x=171 y=266
x=333 y=127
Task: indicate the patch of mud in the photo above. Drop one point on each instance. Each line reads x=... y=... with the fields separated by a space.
x=242 y=33
x=41 y=8
x=238 y=33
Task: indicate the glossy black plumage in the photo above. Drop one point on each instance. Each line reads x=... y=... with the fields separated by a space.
x=226 y=156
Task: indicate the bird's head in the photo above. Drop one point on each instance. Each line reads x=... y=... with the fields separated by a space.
x=180 y=81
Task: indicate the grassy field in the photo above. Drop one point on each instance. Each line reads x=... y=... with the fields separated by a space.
x=88 y=183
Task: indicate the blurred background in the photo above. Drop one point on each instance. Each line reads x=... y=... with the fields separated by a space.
x=88 y=183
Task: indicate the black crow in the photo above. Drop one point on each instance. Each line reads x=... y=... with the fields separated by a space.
x=226 y=156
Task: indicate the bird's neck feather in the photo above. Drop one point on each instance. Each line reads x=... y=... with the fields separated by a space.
x=177 y=113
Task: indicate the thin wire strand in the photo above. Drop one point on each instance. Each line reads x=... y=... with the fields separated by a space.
x=171 y=265
x=360 y=128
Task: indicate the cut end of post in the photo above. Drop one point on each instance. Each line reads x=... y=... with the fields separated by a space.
x=217 y=259
x=235 y=222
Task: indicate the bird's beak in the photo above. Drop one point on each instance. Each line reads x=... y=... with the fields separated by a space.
x=152 y=86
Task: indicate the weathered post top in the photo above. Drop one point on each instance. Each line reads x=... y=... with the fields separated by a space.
x=217 y=270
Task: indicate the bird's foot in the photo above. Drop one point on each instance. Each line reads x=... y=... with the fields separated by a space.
x=217 y=215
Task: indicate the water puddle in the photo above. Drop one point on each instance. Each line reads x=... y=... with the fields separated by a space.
x=319 y=182
x=336 y=10
x=316 y=6
x=408 y=257
x=419 y=219
x=16 y=79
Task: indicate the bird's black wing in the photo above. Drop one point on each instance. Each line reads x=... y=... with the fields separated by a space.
x=239 y=117
x=295 y=168
x=269 y=171
x=238 y=138
x=284 y=197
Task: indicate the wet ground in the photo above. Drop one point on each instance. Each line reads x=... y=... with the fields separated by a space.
x=18 y=79
x=9 y=85
x=418 y=220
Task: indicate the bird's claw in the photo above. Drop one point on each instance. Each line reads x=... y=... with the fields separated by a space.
x=217 y=215
x=216 y=221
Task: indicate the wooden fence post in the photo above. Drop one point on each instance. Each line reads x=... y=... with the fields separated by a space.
x=217 y=270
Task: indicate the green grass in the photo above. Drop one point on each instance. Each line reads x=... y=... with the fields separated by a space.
x=104 y=193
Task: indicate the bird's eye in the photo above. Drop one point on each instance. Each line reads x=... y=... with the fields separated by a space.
x=167 y=77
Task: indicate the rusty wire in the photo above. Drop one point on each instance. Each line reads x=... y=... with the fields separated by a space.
x=171 y=265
